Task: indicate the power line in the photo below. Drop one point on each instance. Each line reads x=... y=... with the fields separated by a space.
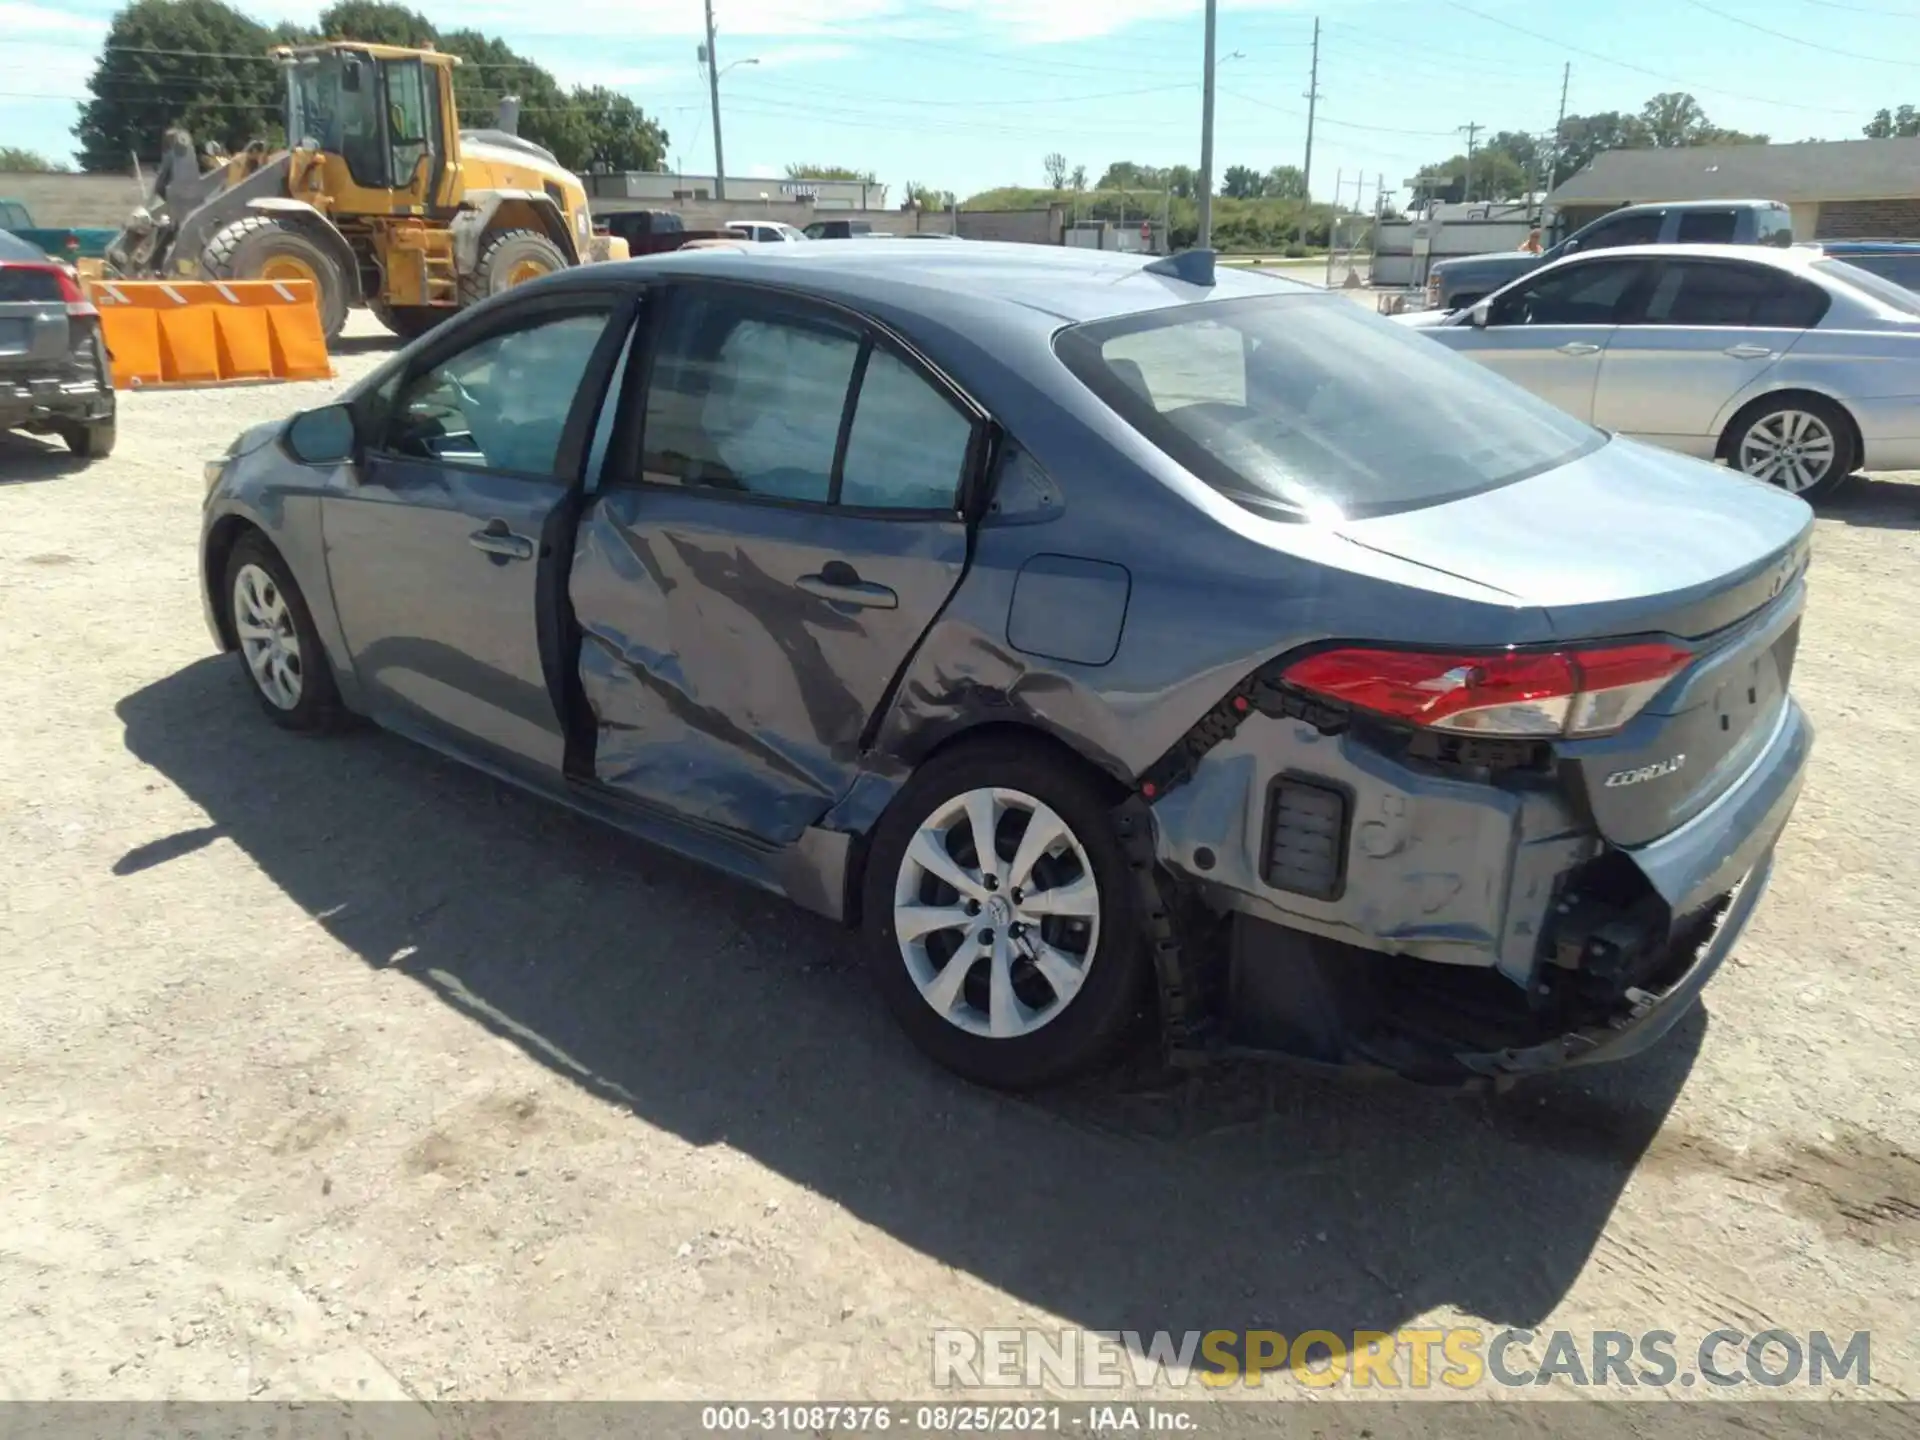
x=1641 y=69
x=1796 y=40
x=1329 y=120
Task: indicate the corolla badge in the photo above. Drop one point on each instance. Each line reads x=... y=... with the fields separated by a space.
x=1645 y=772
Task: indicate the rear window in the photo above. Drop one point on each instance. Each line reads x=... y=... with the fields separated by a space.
x=1308 y=407
x=1707 y=227
x=1884 y=291
x=1902 y=270
x=18 y=284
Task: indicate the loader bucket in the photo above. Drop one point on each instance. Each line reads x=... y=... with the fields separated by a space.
x=210 y=332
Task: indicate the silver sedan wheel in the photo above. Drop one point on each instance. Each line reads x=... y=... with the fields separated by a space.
x=268 y=638
x=1789 y=448
x=997 y=913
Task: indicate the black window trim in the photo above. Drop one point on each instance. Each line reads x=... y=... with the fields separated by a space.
x=826 y=313
x=614 y=303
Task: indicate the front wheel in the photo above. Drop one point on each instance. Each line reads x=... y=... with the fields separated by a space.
x=1001 y=916
x=507 y=259
x=1802 y=443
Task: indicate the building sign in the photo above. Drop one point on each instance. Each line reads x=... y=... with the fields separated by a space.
x=800 y=190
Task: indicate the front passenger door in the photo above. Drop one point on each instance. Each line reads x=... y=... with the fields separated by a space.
x=438 y=553
x=1547 y=333
x=752 y=584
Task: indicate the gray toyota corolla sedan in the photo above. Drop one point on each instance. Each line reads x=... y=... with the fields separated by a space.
x=1094 y=635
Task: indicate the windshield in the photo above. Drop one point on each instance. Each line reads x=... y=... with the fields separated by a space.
x=1310 y=407
x=333 y=105
x=1883 y=290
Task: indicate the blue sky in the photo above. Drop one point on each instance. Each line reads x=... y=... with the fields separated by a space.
x=966 y=94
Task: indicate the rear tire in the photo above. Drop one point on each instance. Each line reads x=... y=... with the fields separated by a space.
x=279 y=648
x=260 y=247
x=507 y=259
x=1067 y=984
x=1804 y=444
x=89 y=439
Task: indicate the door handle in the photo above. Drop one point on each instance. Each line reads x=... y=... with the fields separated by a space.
x=1748 y=352
x=496 y=539
x=841 y=584
x=1578 y=347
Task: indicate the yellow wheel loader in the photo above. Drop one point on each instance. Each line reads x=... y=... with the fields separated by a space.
x=382 y=200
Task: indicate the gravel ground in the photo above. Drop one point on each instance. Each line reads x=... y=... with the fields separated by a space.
x=332 y=1069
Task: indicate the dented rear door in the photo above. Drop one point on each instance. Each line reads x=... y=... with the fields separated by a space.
x=750 y=584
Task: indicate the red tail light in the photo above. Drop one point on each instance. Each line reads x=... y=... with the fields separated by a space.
x=1563 y=692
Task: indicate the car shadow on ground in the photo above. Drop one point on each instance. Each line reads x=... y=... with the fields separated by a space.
x=27 y=458
x=1880 y=503
x=1248 y=1197
x=378 y=343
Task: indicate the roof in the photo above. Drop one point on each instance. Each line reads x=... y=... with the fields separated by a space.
x=1791 y=257
x=1059 y=281
x=1813 y=170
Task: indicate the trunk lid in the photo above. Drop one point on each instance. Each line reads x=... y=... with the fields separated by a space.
x=1631 y=542
x=33 y=320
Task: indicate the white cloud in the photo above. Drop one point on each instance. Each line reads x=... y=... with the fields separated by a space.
x=26 y=21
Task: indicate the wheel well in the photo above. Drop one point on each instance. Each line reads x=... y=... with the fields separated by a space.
x=1724 y=450
x=998 y=732
x=227 y=532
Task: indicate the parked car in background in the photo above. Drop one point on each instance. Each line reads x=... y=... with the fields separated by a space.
x=845 y=230
x=1790 y=365
x=60 y=242
x=1072 y=625
x=766 y=232
x=1895 y=260
x=648 y=232
x=55 y=378
x=1455 y=284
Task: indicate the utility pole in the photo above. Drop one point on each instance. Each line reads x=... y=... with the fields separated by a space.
x=1553 y=150
x=1312 y=98
x=1205 y=238
x=713 y=87
x=1472 y=129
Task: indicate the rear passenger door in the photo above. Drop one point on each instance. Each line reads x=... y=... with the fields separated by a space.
x=1709 y=330
x=1548 y=332
x=764 y=556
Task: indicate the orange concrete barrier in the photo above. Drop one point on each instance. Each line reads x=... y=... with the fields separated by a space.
x=210 y=332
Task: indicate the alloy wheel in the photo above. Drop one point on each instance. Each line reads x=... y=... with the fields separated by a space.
x=1789 y=448
x=268 y=639
x=997 y=913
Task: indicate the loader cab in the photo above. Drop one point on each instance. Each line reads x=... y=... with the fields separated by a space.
x=378 y=123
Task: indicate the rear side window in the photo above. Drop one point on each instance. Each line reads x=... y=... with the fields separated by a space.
x=1774 y=226
x=748 y=399
x=1307 y=407
x=1902 y=270
x=1718 y=293
x=21 y=285
x=908 y=445
x=1708 y=227
x=1886 y=292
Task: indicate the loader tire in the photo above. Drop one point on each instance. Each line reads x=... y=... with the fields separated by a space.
x=507 y=259
x=409 y=322
x=260 y=247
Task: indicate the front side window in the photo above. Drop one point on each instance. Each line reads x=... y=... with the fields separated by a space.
x=748 y=399
x=501 y=404
x=408 y=135
x=334 y=105
x=1590 y=294
x=1711 y=293
x=1308 y=407
x=1632 y=230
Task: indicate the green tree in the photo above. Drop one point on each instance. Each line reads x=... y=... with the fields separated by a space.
x=1125 y=175
x=617 y=133
x=1182 y=180
x=1285 y=182
x=1887 y=124
x=1078 y=180
x=1673 y=118
x=178 y=62
x=1242 y=182
x=830 y=172
x=1582 y=137
x=13 y=158
x=925 y=197
x=1056 y=167
x=376 y=23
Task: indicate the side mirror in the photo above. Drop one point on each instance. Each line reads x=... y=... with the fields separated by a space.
x=1477 y=316
x=326 y=436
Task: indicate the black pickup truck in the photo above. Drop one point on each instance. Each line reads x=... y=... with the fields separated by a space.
x=1455 y=284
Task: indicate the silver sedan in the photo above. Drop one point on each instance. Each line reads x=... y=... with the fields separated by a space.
x=1797 y=369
